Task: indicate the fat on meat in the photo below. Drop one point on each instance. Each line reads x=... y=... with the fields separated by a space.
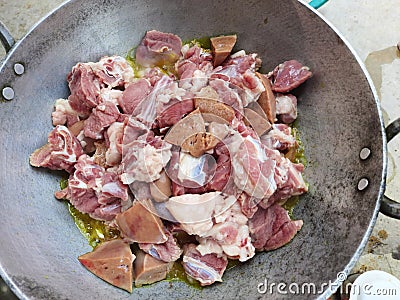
x=114 y=135
x=113 y=71
x=110 y=95
x=61 y=151
x=144 y=162
x=64 y=114
x=168 y=251
x=195 y=212
x=231 y=233
x=207 y=269
x=239 y=70
x=143 y=155
x=193 y=68
x=279 y=138
x=286 y=108
x=102 y=116
x=253 y=169
x=96 y=191
x=290 y=182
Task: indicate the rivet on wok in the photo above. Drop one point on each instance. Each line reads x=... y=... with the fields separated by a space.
x=8 y=93
x=19 y=69
x=362 y=184
x=365 y=153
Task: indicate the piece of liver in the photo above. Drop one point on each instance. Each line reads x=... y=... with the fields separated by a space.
x=259 y=123
x=214 y=111
x=138 y=224
x=190 y=124
x=221 y=47
x=267 y=99
x=161 y=188
x=111 y=261
x=149 y=270
x=198 y=143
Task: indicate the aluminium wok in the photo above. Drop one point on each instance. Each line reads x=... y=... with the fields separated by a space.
x=339 y=115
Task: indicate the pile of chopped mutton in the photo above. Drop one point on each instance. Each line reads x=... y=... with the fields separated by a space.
x=204 y=151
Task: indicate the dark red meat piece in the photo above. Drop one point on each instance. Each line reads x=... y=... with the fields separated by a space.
x=174 y=113
x=101 y=117
x=289 y=75
x=272 y=228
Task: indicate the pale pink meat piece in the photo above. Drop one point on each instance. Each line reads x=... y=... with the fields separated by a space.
x=101 y=117
x=253 y=169
x=134 y=94
x=248 y=204
x=290 y=182
x=239 y=70
x=158 y=49
x=85 y=88
x=60 y=153
x=174 y=113
x=113 y=71
x=96 y=191
x=227 y=94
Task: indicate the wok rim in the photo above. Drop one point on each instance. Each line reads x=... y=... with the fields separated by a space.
x=339 y=280
x=333 y=286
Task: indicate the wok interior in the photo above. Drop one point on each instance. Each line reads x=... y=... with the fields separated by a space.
x=338 y=116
